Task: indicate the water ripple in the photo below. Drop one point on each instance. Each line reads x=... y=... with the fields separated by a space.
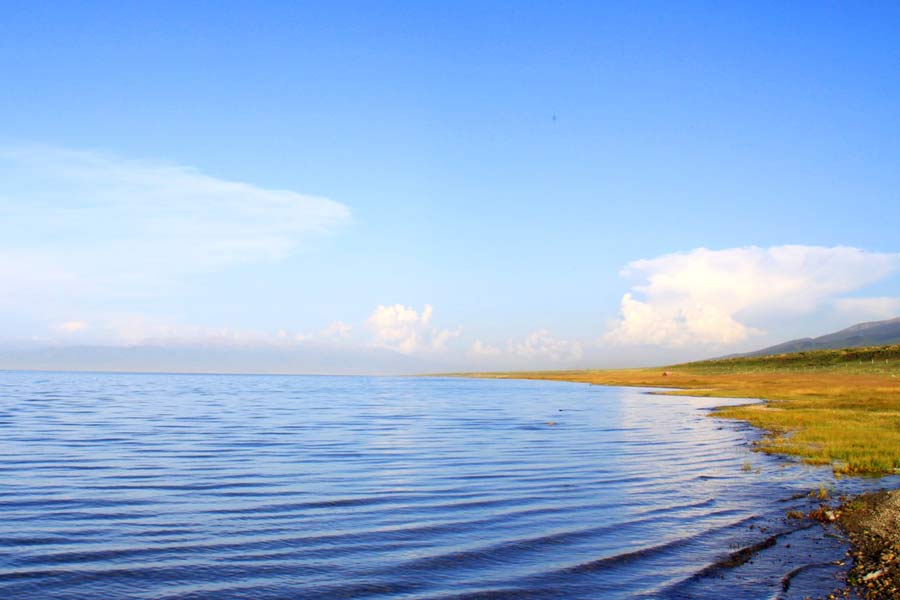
x=202 y=487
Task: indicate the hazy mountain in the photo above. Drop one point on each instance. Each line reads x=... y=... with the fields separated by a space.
x=874 y=333
x=308 y=358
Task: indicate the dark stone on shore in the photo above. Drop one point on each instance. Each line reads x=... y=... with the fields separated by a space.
x=872 y=523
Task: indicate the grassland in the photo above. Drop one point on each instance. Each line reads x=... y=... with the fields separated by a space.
x=838 y=407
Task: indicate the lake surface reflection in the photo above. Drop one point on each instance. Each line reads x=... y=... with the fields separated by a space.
x=195 y=486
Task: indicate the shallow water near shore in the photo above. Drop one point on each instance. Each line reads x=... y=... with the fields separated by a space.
x=264 y=487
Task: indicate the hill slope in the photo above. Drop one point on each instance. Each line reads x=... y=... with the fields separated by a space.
x=874 y=333
x=870 y=360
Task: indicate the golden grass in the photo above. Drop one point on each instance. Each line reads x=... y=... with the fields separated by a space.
x=843 y=414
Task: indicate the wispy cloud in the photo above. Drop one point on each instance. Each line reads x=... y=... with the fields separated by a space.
x=709 y=297
x=83 y=225
x=124 y=329
x=131 y=329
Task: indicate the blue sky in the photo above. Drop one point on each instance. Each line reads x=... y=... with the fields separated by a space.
x=289 y=173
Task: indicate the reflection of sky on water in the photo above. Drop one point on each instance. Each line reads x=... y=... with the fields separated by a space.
x=321 y=486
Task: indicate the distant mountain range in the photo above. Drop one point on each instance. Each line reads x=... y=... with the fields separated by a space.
x=874 y=333
x=304 y=358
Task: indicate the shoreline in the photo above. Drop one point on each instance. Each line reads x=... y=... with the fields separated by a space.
x=870 y=521
x=821 y=416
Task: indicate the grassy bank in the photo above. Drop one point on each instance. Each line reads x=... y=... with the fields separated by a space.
x=838 y=407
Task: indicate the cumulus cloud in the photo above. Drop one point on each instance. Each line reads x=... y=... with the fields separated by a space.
x=538 y=346
x=406 y=330
x=96 y=224
x=542 y=345
x=337 y=330
x=707 y=297
x=479 y=348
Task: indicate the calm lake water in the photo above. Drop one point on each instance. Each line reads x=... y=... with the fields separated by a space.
x=263 y=487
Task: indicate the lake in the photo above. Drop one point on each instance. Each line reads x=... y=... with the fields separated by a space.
x=265 y=487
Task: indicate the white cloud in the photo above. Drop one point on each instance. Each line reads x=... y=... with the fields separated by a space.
x=137 y=330
x=538 y=347
x=705 y=297
x=337 y=330
x=542 y=345
x=868 y=308
x=99 y=226
x=404 y=329
x=479 y=348
x=671 y=324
